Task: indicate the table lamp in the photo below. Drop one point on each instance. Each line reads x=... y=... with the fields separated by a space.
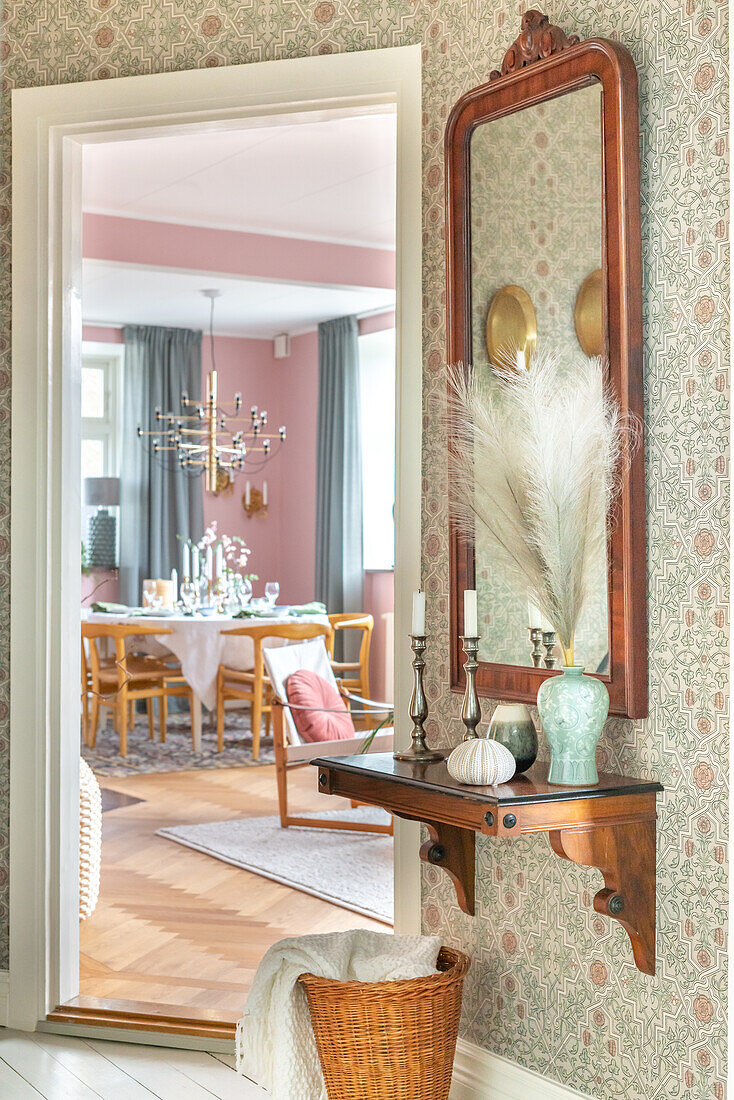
x=104 y=493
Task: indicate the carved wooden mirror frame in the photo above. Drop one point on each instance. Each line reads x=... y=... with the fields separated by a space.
x=541 y=64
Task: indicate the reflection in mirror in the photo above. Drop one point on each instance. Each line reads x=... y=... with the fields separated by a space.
x=536 y=238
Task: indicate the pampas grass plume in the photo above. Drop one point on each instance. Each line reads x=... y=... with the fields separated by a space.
x=537 y=457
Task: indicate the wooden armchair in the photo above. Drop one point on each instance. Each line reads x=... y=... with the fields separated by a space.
x=292 y=752
x=118 y=683
x=253 y=686
x=354 y=675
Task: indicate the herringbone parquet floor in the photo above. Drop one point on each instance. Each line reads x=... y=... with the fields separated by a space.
x=175 y=927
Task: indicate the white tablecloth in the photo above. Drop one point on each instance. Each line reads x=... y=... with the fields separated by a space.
x=199 y=643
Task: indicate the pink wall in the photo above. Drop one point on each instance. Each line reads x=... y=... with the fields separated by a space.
x=283 y=542
x=379 y=598
x=232 y=252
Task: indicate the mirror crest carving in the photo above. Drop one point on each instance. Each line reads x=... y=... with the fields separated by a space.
x=538 y=39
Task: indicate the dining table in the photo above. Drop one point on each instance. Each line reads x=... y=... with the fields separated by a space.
x=201 y=645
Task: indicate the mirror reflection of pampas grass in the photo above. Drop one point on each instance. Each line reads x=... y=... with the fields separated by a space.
x=537 y=458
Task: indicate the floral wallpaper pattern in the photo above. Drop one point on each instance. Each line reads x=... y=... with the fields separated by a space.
x=553 y=985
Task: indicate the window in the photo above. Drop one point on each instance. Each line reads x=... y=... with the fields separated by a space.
x=377 y=385
x=101 y=382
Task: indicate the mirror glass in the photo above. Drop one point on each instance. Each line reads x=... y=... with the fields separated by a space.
x=537 y=281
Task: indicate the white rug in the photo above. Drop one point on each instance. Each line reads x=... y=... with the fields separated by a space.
x=352 y=870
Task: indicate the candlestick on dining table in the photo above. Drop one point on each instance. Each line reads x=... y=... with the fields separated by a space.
x=185 y=562
x=174 y=582
x=209 y=564
x=471 y=620
x=418 y=627
x=195 y=564
x=220 y=560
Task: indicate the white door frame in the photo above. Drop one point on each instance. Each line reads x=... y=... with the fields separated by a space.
x=50 y=126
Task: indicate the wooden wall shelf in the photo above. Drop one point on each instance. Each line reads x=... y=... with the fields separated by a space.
x=611 y=826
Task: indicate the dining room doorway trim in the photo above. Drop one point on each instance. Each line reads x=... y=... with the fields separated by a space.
x=50 y=127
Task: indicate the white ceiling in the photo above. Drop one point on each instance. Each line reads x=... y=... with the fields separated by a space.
x=124 y=294
x=332 y=179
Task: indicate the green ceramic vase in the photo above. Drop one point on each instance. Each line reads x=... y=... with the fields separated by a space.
x=573 y=709
x=513 y=727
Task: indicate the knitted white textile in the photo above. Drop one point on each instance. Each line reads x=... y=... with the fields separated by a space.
x=275 y=1042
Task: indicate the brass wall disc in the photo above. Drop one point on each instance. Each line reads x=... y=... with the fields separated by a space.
x=512 y=325
x=588 y=315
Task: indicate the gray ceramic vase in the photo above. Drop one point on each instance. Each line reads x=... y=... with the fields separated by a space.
x=513 y=727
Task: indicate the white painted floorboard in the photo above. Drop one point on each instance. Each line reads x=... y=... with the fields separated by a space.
x=59 y=1068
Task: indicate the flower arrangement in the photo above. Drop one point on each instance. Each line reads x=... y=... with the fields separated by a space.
x=235 y=551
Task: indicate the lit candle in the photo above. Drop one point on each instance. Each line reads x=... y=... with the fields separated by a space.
x=174 y=582
x=471 y=629
x=418 y=628
x=247 y=494
x=535 y=619
x=210 y=563
x=186 y=561
x=265 y=493
x=220 y=560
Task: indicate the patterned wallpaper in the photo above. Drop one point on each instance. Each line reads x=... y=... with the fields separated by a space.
x=553 y=985
x=536 y=182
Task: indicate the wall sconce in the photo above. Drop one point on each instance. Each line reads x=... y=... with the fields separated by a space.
x=255 y=501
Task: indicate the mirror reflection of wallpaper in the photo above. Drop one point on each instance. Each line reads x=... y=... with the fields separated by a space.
x=536 y=188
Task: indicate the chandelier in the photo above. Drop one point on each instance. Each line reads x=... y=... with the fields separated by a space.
x=213 y=439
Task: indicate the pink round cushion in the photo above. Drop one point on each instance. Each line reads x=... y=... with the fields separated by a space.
x=308 y=689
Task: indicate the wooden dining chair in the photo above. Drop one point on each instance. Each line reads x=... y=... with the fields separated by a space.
x=253 y=686
x=122 y=680
x=354 y=675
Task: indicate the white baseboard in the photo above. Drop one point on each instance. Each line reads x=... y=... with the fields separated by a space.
x=480 y=1075
x=4 y=997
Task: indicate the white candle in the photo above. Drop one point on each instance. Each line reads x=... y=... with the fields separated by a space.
x=471 y=629
x=247 y=494
x=195 y=564
x=186 y=563
x=265 y=493
x=535 y=619
x=174 y=582
x=418 y=627
x=520 y=359
x=220 y=560
x=210 y=563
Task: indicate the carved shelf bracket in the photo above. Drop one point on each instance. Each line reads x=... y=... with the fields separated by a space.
x=625 y=855
x=538 y=39
x=609 y=825
x=452 y=849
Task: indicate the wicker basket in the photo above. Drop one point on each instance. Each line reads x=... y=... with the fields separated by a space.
x=388 y=1040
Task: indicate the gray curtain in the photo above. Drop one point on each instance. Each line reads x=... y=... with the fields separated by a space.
x=158 y=501
x=339 y=559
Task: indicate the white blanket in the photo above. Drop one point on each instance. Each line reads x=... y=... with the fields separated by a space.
x=275 y=1043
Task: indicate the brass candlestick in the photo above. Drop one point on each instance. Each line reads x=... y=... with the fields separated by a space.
x=549 y=641
x=536 y=637
x=471 y=713
x=418 y=751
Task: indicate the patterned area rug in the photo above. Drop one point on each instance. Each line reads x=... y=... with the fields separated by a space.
x=352 y=870
x=176 y=755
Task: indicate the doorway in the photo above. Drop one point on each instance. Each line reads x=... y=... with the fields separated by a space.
x=46 y=513
x=283 y=240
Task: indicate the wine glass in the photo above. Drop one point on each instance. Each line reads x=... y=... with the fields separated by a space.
x=272 y=591
x=245 y=592
x=189 y=593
